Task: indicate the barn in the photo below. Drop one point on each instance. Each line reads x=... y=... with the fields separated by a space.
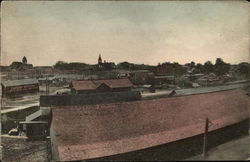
x=156 y=129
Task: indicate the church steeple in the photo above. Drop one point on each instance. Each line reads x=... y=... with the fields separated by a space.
x=24 y=60
x=100 y=59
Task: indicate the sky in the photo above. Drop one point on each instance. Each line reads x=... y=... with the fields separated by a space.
x=143 y=32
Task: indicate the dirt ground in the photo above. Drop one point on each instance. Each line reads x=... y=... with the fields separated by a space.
x=238 y=149
x=18 y=149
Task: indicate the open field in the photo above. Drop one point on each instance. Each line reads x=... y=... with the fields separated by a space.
x=18 y=149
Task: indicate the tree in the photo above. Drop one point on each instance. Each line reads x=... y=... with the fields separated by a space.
x=208 y=67
x=179 y=70
x=221 y=67
x=131 y=66
x=60 y=65
x=124 y=65
x=192 y=64
x=16 y=65
x=244 y=69
x=199 y=67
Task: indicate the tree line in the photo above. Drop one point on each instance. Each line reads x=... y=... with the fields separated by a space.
x=219 y=68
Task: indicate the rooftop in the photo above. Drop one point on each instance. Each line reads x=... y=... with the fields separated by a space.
x=93 y=131
x=11 y=83
x=93 y=84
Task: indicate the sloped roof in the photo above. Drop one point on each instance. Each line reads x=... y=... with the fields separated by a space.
x=93 y=131
x=11 y=83
x=93 y=84
x=116 y=83
x=83 y=85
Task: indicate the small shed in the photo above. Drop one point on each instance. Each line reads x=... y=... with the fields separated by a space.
x=35 y=130
x=12 y=87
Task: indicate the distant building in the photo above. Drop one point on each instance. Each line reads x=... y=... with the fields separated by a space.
x=21 y=65
x=93 y=86
x=165 y=69
x=141 y=77
x=5 y=69
x=44 y=70
x=24 y=60
x=100 y=60
x=105 y=65
x=194 y=77
x=13 y=87
x=163 y=80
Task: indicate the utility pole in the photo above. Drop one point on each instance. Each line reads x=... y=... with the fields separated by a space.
x=174 y=76
x=47 y=86
x=205 y=139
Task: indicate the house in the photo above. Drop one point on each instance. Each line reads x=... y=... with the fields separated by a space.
x=140 y=77
x=44 y=70
x=162 y=129
x=193 y=77
x=12 y=87
x=160 y=81
x=93 y=86
x=20 y=66
x=165 y=69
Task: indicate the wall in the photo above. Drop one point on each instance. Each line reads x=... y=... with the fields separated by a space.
x=36 y=131
x=7 y=91
x=54 y=151
x=85 y=99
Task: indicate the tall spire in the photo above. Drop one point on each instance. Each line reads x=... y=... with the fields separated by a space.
x=100 y=59
x=24 y=60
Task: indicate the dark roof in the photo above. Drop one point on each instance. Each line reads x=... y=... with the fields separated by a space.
x=12 y=83
x=93 y=131
x=93 y=84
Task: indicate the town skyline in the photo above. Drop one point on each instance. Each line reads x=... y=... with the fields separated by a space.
x=137 y=32
x=116 y=63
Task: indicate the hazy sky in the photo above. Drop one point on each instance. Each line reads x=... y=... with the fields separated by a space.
x=140 y=32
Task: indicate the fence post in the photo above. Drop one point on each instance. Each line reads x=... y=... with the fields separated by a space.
x=205 y=139
x=48 y=148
